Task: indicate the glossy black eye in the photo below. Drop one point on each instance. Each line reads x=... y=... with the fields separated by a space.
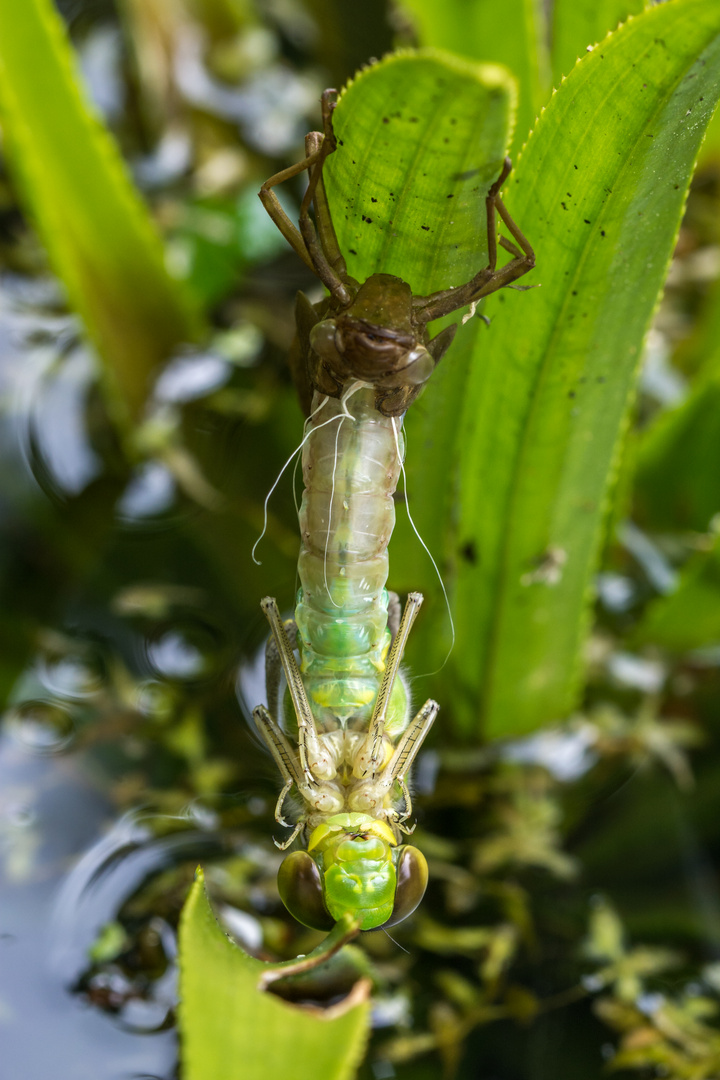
x=300 y=889
x=412 y=879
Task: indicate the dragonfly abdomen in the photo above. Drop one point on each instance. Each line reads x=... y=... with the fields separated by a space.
x=351 y=464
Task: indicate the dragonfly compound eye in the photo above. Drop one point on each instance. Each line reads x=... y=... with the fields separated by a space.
x=300 y=888
x=412 y=879
x=322 y=339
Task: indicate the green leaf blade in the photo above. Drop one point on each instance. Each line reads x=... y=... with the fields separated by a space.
x=98 y=234
x=599 y=191
x=233 y=1030
x=421 y=137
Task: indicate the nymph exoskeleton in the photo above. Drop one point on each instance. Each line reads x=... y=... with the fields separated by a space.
x=361 y=357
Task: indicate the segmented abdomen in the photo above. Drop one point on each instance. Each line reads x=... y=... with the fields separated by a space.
x=350 y=467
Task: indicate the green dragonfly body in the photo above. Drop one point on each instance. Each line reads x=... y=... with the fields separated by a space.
x=361 y=357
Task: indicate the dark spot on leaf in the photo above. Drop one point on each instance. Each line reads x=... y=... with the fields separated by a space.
x=571 y=393
x=586 y=221
x=446 y=140
x=372 y=200
x=563 y=206
x=454 y=121
x=602 y=232
x=466 y=175
x=413 y=120
x=469 y=552
x=425 y=227
x=352 y=251
x=574 y=292
x=574 y=166
x=450 y=196
x=386 y=120
x=341 y=143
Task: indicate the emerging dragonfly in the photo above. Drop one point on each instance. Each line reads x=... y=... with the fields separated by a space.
x=361 y=357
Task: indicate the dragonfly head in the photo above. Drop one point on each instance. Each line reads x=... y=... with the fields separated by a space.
x=353 y=865
x=375 y=339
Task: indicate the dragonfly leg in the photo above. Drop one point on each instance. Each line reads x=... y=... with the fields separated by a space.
x=405 y=752
x=321 y=255
x=411 y=741
x=274 y=668
x=309 y=746
x=286 y=843
x=279 y=804
x=372 y=755
x=320 y=239
x=286 y=761
x=489 y=279
x=371 y=797
x=272 y=204
x=277 y=743
x=406 y=812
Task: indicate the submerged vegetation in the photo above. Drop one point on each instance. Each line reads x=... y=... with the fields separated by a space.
x=561 y=467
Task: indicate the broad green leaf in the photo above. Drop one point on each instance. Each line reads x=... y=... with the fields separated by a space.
x=677 y=485
x=421 y=137
x=510 y=33
x=232 y=1030
x=689 y=617
x=578 y=24
x=98 y=234
x=600 y=191
x=537 y=422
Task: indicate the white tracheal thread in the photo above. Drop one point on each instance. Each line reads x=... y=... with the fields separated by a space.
x=294 y=454
x=347 y=394
x=352 y=389
x=427 y=549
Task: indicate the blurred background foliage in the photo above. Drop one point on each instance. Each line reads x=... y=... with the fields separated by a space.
x=573 y=919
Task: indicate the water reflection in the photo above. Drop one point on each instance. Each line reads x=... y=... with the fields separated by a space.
x=44 y=727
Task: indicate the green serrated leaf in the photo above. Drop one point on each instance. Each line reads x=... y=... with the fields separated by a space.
x=233 y=1030
x=511 y=33
x=600 y=191
x=578 y=24
x=98 y=233
x=421 y=137
x=523 y=421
